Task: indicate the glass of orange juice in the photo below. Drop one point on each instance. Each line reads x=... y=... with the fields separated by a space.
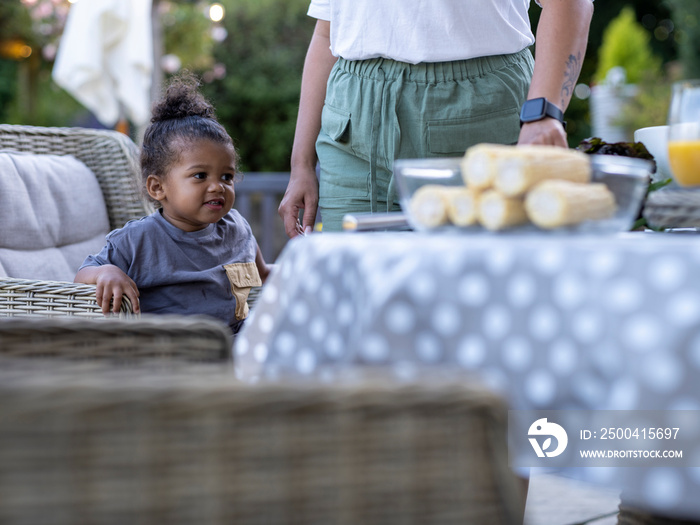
x=684 y=133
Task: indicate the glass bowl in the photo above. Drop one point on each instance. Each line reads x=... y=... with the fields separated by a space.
x=627 y=178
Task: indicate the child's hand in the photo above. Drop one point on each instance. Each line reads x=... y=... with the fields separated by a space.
x=112 y=283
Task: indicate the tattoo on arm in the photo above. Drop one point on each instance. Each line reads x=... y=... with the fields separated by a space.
x=573 y=69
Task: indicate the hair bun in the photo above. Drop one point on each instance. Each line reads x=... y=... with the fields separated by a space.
x=182 y=99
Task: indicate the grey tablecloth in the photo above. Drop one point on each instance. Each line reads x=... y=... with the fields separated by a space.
x=553 y=322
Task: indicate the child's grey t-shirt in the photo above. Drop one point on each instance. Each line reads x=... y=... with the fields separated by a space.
x=177 y=271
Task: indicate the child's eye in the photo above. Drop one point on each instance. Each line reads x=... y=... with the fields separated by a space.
x=200 y=175
x=227 y=177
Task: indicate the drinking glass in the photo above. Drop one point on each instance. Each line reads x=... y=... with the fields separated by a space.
x=684 y=133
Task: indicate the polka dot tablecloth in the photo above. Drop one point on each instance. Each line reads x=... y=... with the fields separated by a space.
x=552 y=322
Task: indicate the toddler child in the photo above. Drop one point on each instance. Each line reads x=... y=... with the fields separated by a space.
x=195 y=255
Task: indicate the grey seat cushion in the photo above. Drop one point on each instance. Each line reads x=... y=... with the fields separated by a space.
x=52 y=215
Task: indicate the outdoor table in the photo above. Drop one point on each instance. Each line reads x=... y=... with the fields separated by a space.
x=552 y=321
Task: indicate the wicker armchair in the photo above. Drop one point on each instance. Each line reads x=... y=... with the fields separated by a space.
x=113 y=158
x=135 y=341
x=193 y=445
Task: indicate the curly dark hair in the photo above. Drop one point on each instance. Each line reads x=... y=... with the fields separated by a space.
x=181 y=116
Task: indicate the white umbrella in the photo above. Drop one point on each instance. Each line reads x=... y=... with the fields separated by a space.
x=105 y=58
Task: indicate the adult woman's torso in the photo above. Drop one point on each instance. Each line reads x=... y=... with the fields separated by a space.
x=416 y=31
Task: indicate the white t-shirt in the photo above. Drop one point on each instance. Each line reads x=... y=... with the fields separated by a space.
x=425 y=30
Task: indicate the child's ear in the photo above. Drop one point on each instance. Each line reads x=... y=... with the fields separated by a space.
x=154 y=187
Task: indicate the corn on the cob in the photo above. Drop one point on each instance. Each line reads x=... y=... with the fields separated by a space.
x=555 y=203
x=524 y=166
x=462 y=205
x=479 y=164
x=497 y=211
x=429 y=205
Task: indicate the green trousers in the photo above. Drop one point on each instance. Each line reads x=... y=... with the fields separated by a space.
x=380 y=110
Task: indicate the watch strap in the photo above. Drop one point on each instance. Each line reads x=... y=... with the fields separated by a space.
x=548 y=110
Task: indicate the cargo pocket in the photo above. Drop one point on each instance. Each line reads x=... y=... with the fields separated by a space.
x=453 y=137
x=242 y=276
x=336 y=123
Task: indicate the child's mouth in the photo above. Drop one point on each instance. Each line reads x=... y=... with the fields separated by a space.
x=216 y=204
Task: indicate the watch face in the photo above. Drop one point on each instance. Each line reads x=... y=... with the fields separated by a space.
x=533 y=110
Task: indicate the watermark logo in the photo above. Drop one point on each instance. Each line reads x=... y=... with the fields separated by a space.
x=604 y=438
x=542 y=427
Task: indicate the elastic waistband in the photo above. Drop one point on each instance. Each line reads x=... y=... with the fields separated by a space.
x=431 y=72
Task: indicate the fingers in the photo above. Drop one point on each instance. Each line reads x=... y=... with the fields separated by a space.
x=110 y=296
x=106 y=298
x=309 y=218
x=116 y=303
x=289 y=218
x=102 y=301
x=302 y=193
x=130 y=290
x=291 y=227
x=133 y=295
x=546 y=131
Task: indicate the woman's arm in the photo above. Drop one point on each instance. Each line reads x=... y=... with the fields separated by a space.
x=302 y=190
x=111 y=283
x=562 y=36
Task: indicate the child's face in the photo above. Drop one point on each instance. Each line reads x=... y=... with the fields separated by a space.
x=198 y=189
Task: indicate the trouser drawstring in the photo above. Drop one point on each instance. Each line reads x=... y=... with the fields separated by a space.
x=374 y=136
x=394 y=89
x=397 y=89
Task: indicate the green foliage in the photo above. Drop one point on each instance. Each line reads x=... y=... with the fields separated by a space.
x=15 y=22
x=257 y=100
x=8 y=72
x=263 y=55
x=27 y=93
x=686 y=16
x=626 y=44
x=39 y=101
x=649 y=107
x=186 y=34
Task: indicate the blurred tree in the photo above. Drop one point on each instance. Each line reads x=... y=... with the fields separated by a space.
x=187 y=34
x=626 y=44
x=262 y=57
x=654 y=15
x=29 y=33
x=15 y=28
x=15 y=23
x=686 y=16
x=252 y=64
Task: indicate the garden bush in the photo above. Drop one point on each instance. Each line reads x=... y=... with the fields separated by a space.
x=258 y=98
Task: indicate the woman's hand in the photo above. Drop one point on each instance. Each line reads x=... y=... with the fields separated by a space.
x=548 y=131
x=301 y=193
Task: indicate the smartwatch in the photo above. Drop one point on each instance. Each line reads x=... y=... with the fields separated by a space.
x=538 y=109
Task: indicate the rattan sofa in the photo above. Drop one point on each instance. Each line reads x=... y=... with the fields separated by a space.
x=113 y=158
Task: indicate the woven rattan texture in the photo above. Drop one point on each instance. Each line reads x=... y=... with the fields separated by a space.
x=197 y=447
x=111 y=156
x=26 y=297
x=673 y=209
x=119 y=341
